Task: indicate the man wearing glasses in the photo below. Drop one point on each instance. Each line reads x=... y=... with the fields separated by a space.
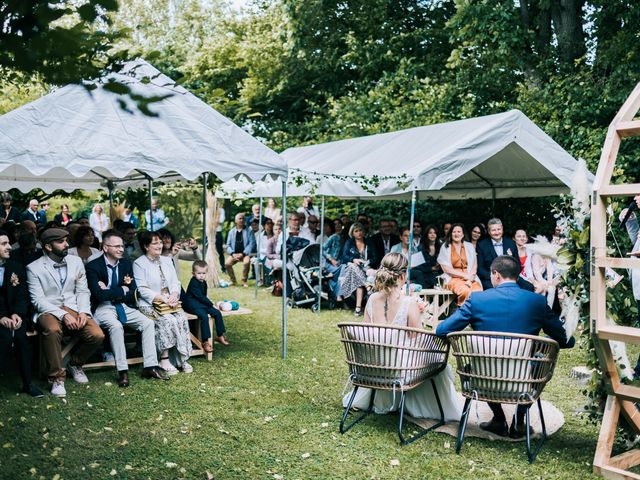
x=113 y=290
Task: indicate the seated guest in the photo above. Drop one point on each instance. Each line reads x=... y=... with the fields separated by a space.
x=9 y=212
x=313 y=225
x=83 y=238
x=403 y=246
x=384 y=240
x=130 y=217
x=271 y=211
x=113 y=300
x=99 y=221
x=357 y=255
x=240 y=245
x=477 y=233
x=131 y=246
x=273 y=259
x=33 y=213
x=430 y=269
x=522 y=241
x=417 y=234
x=331 y=251
x=26 y=248
x=446 y=227
x=262 y=241
x=457 y=258
x=492 y=247
x=61 y=299
x=157 y=281
x=14 y=310
x=255 y=215
x=83 y=221
x=307 y=209
x=506 y=309
x=197 y=303
x=64 y=217
x=338 y=225
x=178 y=251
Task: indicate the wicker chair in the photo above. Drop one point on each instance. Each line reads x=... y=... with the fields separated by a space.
x=384 y=357
x=503 y=368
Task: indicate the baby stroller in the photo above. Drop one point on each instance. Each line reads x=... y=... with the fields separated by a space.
x=303 y=268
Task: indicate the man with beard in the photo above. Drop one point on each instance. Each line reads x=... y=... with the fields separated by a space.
x=61 y=299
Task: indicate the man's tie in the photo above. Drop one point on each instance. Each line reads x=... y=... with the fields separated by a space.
x=122 y=316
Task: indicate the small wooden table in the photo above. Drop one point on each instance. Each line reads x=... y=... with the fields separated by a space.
x=438 y=302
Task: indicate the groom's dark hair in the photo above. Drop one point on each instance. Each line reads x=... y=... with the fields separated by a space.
x=507 y=266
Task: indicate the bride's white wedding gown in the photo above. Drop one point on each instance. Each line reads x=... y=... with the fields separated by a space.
x=420 y=402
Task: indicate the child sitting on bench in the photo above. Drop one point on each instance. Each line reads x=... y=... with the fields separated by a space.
x=197 y=303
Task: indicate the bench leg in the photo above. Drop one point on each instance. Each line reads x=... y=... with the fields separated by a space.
x=344 y=429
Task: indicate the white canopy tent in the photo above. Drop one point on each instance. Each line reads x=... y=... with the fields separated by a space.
x=497 y=156
x=72 y=138
x=492 y=157
x=75 y=139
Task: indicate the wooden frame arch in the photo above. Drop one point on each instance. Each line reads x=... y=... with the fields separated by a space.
x=622 y=398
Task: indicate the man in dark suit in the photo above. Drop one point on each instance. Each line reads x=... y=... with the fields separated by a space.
x=492 y=247
x=112 y=286
x=383 y=240
x=507 y=309
x=32 y=213
x=14 y=310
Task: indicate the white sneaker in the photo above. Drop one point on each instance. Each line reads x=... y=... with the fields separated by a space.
x=77 y=374
x=168 y=368
x=186 y=368
x=57 y=389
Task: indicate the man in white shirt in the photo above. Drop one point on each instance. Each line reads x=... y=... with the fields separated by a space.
x=159 y=220
x=308 y=209
x=293 y=228
x=60 y=296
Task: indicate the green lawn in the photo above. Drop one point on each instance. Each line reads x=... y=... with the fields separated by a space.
x=249 y=414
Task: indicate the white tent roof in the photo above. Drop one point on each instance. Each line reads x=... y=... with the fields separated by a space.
x=497 y=156
x=71 y=138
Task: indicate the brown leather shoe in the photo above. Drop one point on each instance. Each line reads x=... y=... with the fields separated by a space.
x=123 y=378
x=207 y=347
x=154 y=373
x=519 y=430
x=222 y=340
x=499 y=427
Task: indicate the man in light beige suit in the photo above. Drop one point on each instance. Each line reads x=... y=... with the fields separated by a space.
x=59 y=293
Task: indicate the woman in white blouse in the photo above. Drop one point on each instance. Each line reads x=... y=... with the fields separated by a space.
x=99 y=221
x=157 y=281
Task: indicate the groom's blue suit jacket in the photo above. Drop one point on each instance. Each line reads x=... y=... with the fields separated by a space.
x=508 y=309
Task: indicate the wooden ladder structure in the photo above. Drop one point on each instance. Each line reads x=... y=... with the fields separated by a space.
x=622 y=398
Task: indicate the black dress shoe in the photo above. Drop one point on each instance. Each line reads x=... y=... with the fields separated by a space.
x=32 y=390
x=123 y=379
x=520 y=430
x=154 y=373
x=499 y=427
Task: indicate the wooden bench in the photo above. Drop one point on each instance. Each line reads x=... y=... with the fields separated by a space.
x=195 y=340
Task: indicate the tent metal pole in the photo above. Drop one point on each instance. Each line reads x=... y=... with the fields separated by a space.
x=204 y=215
x=150 y=226
x=284 y=270
x=110 y=187
x=257 y=269
x=410 y=252
x=321 y=259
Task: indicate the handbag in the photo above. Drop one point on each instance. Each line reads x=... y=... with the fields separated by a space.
x=163 y=308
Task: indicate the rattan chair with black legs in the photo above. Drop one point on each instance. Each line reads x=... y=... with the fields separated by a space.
x=503 y=368
x=392 y=358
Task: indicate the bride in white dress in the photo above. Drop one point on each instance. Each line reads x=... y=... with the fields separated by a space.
x=389 y=305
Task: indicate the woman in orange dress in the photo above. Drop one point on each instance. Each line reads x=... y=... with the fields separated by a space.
x=458 y=261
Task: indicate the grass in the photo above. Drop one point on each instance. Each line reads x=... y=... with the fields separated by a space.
x=248 y=414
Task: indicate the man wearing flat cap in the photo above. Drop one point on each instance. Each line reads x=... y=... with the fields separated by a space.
x=60 y=296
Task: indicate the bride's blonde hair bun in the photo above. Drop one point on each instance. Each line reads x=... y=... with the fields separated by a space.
x=392 y=267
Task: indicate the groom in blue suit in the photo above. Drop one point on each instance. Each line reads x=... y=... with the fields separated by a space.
x=506 y=308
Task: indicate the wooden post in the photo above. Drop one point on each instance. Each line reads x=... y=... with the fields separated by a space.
x=622 y=398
